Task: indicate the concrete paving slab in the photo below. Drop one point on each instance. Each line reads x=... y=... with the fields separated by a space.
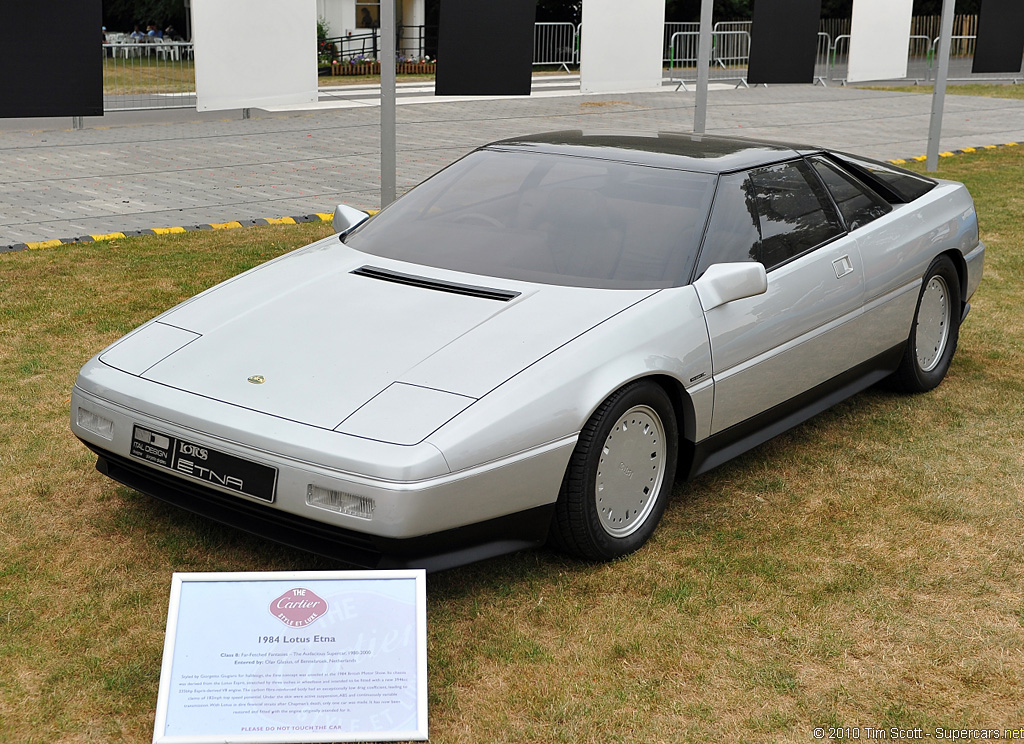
x=142 y=170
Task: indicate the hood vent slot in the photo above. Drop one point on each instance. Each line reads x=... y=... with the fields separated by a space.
x=386 y=275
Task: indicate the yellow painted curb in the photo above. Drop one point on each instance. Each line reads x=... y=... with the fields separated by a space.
x=224 y=225
x=45 y=244
x=167 y=230
x=324 y=217
x=280 y=221
x=108 y=236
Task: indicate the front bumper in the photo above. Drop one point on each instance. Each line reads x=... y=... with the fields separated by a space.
x=433 y=523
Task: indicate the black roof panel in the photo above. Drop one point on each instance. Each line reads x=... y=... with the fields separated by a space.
x=694 y=152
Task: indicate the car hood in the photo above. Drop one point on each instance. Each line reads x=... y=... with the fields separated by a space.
x=306 y=339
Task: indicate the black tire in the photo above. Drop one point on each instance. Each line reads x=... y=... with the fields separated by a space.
x=935 y=332
x=620 y=475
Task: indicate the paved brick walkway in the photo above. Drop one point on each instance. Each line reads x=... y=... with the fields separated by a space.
x=163 y=169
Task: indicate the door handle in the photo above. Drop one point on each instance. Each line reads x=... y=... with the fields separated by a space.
x=843 y=266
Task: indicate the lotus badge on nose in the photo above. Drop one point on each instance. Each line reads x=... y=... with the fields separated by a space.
x=257 y=379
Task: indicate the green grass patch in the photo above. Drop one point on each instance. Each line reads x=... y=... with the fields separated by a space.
x=986 y=90
x=863 y=569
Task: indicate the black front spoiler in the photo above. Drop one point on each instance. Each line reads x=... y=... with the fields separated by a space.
x=433 y=552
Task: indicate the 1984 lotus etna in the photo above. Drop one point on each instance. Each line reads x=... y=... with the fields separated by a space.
x=533 y=344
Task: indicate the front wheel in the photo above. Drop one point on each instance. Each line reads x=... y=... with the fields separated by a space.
x=936 y=329
x=620 y=475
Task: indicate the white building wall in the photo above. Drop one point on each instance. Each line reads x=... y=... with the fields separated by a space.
x=340 y=16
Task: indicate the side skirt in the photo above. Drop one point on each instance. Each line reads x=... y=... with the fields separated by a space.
x=737 y=439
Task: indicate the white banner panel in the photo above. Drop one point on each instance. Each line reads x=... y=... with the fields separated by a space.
x=621 y=45
x=880 y=40
x=254 y=53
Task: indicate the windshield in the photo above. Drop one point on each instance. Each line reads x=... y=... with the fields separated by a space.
x=553 y=219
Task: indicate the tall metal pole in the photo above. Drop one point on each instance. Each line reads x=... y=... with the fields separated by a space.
x=700 y=114
x=939 y=95
x=388 y=137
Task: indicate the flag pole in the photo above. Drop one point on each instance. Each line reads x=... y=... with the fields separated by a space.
x=388 y=114
x=939 y=94
x=703 y=63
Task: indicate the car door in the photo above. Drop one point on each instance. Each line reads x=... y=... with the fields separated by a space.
x=771 y=348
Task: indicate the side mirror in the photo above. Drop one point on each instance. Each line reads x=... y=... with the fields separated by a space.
x=727 y=282
x=346 y=217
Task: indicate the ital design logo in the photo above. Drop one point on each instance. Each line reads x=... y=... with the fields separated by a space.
x=298 y=608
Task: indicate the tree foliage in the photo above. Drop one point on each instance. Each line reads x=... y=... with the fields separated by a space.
x=122 y=15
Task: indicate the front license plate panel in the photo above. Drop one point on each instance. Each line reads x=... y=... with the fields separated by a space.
x=201 y=463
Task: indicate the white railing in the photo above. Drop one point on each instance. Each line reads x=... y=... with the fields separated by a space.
x=555 y=44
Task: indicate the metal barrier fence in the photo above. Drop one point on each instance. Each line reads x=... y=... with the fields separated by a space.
x=671 y=29
x=556 y=44
x=730 y=54
x=839 y=58
x=148 y=75
x=154 y=73
x=921 y=54
x=821 y=57
x=723 y=26
x=920 y=58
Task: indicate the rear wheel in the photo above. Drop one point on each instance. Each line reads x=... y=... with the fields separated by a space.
x=620 y=475
x=936 y=329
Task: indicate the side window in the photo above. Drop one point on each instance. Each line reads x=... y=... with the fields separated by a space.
x=733 y=232
x=857 y=203
x=769 y=215
x=795 y=213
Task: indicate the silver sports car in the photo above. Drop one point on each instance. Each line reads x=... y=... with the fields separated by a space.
x=534 y=344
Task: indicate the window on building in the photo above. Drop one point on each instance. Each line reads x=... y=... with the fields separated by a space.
x=368 y=15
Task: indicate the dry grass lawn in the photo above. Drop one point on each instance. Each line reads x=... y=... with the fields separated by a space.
x=864 y=569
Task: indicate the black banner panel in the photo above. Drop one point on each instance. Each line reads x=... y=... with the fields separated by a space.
x=485 y=48
x=51 y=55
x=784 y=41
x=1000 y=43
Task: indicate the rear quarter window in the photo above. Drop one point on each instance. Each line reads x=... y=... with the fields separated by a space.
x=856 y=202
x=896 y=185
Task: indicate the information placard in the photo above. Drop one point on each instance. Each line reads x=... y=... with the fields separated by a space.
x=323 y=656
